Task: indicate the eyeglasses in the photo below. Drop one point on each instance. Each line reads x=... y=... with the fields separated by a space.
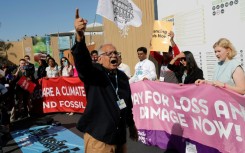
x=182 y=58
x=110 y=53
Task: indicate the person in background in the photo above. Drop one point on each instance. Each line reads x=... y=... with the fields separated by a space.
x=144 y=69
x=188 y=71
x=4 y=116
x=2 y=73
x=7 y=72
x=9 y=83
x=66 y=67
x=122 y=66
x=228 y=72
x=109 y=104
x=3 y=70
x=30 y=67
x=41 y=71
x=52 y=70
x=23 y=96
x=66 y=70
x=47 y=57
x=166 y=75
x=94 y=56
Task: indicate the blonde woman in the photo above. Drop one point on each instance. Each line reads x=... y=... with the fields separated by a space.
x=228 y=71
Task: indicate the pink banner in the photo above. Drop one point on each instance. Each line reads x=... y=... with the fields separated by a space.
x=208 y=115
x=63 y=94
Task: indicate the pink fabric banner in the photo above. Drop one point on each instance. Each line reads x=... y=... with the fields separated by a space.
x=209 y=115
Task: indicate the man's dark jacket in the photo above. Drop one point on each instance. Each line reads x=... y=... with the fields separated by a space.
x=102 y=117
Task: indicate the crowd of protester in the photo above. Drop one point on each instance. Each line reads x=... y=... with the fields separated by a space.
x=176 y=67
x=103 y=76
x=16 y=102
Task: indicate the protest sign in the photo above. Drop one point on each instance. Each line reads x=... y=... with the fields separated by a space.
x=63 y=94
x=26 y=84
x=207 y=115
x=160 y=39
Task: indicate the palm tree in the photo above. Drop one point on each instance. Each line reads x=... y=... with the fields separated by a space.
x=4 y=47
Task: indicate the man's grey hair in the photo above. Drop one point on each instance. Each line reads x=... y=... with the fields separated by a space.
x=100 y=51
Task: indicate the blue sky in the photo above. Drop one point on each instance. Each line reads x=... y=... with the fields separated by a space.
x=39 y=17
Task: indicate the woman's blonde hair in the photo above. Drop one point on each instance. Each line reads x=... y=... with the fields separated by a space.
x=225 y=43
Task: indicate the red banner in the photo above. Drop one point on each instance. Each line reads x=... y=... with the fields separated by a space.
x=63 y=94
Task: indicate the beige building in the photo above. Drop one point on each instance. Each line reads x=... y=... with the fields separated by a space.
x=25 y=47
x=136 y=38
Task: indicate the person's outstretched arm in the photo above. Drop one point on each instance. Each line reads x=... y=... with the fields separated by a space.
x=175 y=48
x=83 y=61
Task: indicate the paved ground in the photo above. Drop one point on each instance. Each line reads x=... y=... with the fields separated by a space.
x=70 y=123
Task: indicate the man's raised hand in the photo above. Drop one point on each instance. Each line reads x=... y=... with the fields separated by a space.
x=80 y=26
x=77 y=14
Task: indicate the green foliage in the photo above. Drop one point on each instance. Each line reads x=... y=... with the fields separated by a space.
x=5 y=46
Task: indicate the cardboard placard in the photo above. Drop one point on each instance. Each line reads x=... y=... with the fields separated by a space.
x=160 y=39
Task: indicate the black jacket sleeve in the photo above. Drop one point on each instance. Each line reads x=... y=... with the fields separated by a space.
x=82 y=58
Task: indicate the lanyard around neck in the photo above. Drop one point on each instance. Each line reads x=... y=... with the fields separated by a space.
x=115 y=88
x=141 y=64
